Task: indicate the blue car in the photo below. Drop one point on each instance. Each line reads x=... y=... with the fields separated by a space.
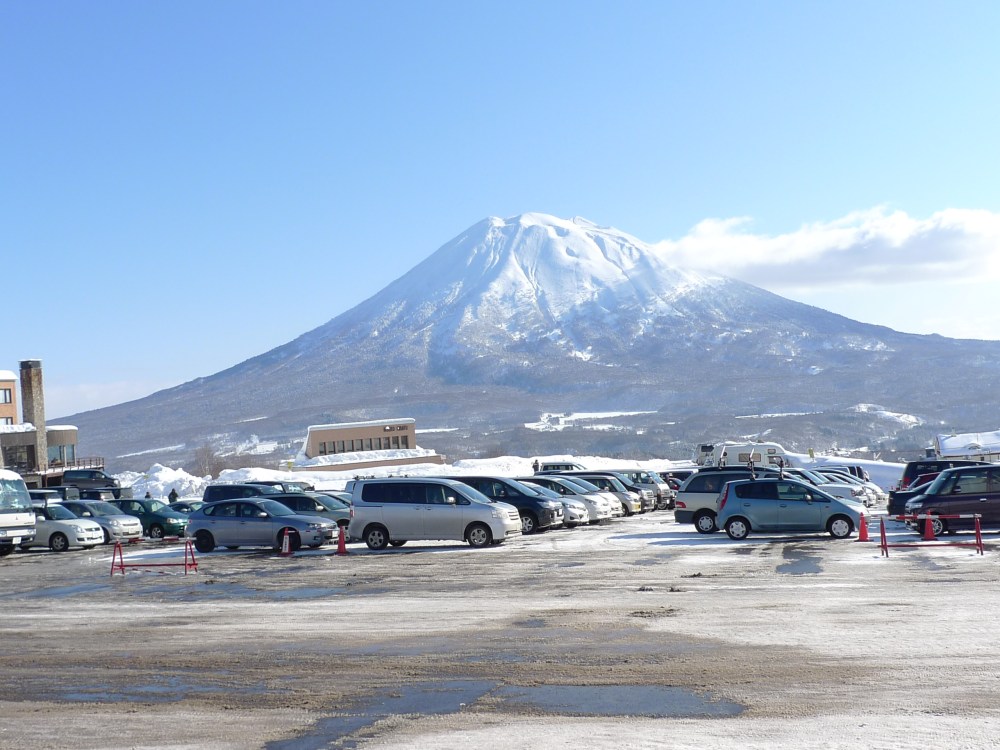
x=784 y=505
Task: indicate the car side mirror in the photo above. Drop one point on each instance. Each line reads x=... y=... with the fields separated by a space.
x=451 y=500
x=263 y=514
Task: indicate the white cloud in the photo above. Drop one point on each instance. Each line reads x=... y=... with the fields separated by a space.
x=862 y=249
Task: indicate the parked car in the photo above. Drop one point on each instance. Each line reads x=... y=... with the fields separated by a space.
x=914 y=469
x=784 y=505
x=185 y=506
x=117 y=526
x=965 y=490
x=640 y=499
x=396 y=510
x=537 y=513
x=89 y=478
x=558 y=466
x=650 y=480
x=232 y=490
x=286 y=485
x=598 y=507
x=696 y=499
x=65 y=492
x=623 y=500
x=831 y=484
x=575 y=512
x=58 y=529
x=255 y=522
x=316 y=504
x=157 y=518
x=899 y=498
x=93 y=493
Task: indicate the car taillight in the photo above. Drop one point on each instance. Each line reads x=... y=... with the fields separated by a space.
x=680 y=504
x=723 y=497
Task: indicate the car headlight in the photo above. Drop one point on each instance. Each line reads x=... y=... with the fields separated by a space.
x=496 y=513
x=116 y=524
x=317 y=526
x=77 y=529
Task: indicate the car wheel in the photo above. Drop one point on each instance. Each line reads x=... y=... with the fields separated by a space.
x=479 y=535
x=704 y=522
x=737 y=528
x=204 y=542
x=662 y=505
x=107 y=536
x=529 y=524
x=840 y=527
x=294 y=540
x=628 y=510
x=397 y=542
x=88 y=546
x=58 y=542
x=6 y=550
x=938 y=525
x=315 y=546
x=156 y=531
x=376 y=537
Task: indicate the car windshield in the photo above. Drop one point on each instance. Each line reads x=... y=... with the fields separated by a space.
x=155 y=506
x=814 y=477
x=583 y=484
x=59 y=513
x=275 y=508
x=14 y=496
x=330 y=503
x=103 y=509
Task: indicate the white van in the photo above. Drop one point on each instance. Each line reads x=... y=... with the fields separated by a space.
x=395 y=510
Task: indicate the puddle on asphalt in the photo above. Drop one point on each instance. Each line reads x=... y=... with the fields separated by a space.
x=423 y=698
x=431 y=698
x=617 y=700
x=799 y=563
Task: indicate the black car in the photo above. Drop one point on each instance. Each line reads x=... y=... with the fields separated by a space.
x=89 y=478
x=233 y=491
x=537 y=513
x=935 y=466
x=964 y=491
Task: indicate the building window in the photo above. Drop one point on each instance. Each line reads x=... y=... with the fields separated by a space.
x=368 y=444
x=322 y=449
x=5 y=396
x=395 y=441
x=406 y=441
x=6 y=420
x=340 y=446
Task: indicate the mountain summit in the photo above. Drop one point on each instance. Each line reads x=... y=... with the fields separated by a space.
x=531 y=314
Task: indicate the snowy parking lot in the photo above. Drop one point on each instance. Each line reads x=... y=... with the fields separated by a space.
x=635 y=633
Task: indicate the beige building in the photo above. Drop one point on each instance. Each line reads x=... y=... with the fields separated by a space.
x=8 y=397
x=349 y=446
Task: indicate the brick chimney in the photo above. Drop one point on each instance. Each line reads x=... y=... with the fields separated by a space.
x=33 y=408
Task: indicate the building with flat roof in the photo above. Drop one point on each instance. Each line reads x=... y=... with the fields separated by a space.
x=349 y=446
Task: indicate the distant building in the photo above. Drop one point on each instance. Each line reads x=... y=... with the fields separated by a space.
x=38 y=452
x=350 y=446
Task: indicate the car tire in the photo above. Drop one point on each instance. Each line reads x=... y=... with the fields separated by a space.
x=6 y=550
x=315 y=546
x=88 y=546
x=938 y=525
x=704 y=522
x=479 y=535
x=529 y=524
x=737 y=528
x=840 y=527
x=397 y=542
x=107 y=536
x=156 y=531
x=204 y=541
x=376 y=537
x=628 y=510
x=58 y=542
x=294 y=540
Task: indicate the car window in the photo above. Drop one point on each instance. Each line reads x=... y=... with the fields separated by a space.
x=974 y=482
x=248 y=510
x=793 y=492
x=757 y=490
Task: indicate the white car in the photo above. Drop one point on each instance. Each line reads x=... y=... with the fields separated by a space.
x=58 y=529
x=599 y=507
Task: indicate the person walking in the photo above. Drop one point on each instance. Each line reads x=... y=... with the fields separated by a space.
x=173 y=494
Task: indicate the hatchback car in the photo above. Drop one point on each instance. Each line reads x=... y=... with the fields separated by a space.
x=598 y=507
x=58 y=529
x=157 y=518
x=784 y=505
x=117 y=526
x=255 y=522
x=316 y=504
x=185 y=506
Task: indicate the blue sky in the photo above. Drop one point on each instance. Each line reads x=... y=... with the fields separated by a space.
x=189 y=184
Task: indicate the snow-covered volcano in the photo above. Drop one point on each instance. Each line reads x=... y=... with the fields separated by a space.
x=532 y=314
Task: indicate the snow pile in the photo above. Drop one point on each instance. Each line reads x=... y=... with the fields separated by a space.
x=160 y=480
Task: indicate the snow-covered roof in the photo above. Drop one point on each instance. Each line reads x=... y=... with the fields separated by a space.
x=348 y=425
x=968 y=443
x=23 y=427
x=335 y=459
x=7 y=375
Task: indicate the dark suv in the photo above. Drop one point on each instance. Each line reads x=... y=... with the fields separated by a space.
x=695 y=501
x=537 y=512
x=91 y=479
x=965 y=490
x=933 y=466
x=215 y=492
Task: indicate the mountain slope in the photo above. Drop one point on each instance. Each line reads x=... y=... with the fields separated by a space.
x=530 y=314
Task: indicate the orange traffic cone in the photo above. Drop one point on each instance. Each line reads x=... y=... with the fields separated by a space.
x=863 y=529
x=286 y=547
x=929 y=529
x=342 y=543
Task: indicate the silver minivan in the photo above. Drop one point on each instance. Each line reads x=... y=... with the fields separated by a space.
x=397 y=509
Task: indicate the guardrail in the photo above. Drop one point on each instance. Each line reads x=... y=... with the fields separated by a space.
x=928 y=539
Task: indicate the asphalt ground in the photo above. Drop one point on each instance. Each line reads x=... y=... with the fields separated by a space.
x=631 y=634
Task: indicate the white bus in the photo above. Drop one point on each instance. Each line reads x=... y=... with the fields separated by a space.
x=17 y=518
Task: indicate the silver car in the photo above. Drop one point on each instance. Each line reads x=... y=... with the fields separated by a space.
x=255 y=522
x=117 y=526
